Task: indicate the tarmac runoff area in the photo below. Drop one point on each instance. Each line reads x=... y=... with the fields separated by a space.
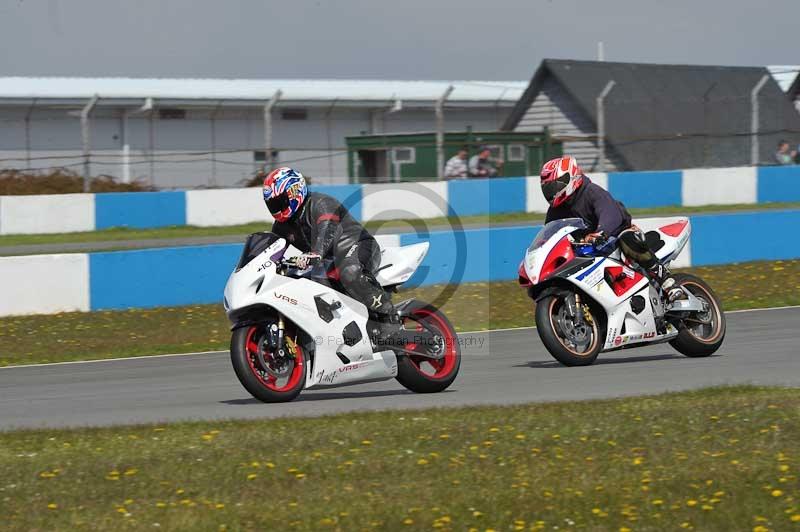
x=498 y=367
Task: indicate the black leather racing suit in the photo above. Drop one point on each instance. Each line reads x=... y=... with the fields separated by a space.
x=324 y=226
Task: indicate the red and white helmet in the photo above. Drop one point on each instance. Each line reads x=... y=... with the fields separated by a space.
x=561 y=177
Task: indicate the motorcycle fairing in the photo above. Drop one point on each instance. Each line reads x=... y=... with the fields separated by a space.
x=258 y=284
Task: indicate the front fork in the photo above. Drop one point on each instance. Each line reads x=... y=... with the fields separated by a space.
x=577 y=310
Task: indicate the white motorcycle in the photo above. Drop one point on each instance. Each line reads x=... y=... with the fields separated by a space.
x=592 y=299
x=295 y=329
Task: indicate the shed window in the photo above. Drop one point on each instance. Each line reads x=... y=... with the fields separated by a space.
x=405 y=155
x=516 y=152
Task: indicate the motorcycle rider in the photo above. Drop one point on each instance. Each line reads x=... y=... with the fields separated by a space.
x=322 y=228
x=571 y=194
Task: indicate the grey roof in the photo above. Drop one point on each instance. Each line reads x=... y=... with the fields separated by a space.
x=673 y=116
x=259 y=90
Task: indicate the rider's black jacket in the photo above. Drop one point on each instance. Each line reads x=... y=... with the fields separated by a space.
x=596 y=207
x=322 y=225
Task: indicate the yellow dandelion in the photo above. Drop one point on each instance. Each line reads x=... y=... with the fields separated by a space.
x=776 y=493
x=366 y=442
x=476 y=513
x=252 y=476
x=760 y=528
x=795 y=518
x=691 y=502
x=444 y=436
x=219 y=506
x=161 y=505
x=52 y=506
x=408 y=521
x=422 y=461
x=300 y=475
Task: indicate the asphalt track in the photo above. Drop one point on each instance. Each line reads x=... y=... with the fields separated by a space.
x=510 y=366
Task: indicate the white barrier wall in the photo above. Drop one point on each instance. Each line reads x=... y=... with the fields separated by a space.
x=719 y=186
x=57 y=213
x=404 y=200
x=233 y=206
x=44 y=284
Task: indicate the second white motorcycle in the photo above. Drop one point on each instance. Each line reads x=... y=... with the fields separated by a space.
x=592 y=299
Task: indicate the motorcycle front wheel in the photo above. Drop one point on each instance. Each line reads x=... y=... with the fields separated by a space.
x=571 y=342
x=268 y=378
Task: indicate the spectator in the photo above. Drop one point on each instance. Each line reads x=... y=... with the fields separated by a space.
x=456 y=167
x=783 y=155
x=482 y=165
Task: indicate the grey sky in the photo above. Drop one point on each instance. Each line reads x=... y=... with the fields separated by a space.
x=397 y=39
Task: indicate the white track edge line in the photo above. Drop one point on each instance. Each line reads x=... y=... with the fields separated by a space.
x=218 y=352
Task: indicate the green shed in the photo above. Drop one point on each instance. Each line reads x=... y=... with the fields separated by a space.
x=412 y=156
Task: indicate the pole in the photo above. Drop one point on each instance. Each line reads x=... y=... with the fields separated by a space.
x=706 y=144
x=754 y=148
x=268 y=128
x=213 y=181
x=601 y=55
x=328 y=136
x=28 y=133
x=85 y=133
x=440 y=130
x=126 y=149
x=601 y=124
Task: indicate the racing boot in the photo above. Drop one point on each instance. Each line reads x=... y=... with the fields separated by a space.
x=384 y=329
x=664 y=278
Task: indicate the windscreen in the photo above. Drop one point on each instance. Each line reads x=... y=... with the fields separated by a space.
x=554 y=227
x=254 y=246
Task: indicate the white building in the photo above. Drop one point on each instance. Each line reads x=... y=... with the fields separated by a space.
x=206 y=132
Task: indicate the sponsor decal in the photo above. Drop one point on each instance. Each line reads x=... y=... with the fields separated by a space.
x=351 y=251
x=264 y=266
x=353 y=367
x=649 y=335
x=285 y=298
x=628 y=272
x=594 y=278
x=326 y=378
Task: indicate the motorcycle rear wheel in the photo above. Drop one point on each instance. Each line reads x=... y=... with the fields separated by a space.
x=570 y=345
x=426 y=375
x=701 y=337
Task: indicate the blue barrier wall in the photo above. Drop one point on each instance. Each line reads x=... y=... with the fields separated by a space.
x=140 y=209
x=486 y=196
x=723 y=239
x=646 y=189
x=778 y=183
x=189 y=275
x=473 y=255
x=160 y=277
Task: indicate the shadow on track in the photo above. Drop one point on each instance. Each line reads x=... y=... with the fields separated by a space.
x=327 y=396
x=600 y=361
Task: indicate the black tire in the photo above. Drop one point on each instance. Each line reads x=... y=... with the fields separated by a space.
x=689 y=342
x=554 y=344
x=247 y=371
x=410 y=368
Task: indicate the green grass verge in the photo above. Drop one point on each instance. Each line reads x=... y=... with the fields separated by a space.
x=122 y=233
x=719 y=459
x=473 y=306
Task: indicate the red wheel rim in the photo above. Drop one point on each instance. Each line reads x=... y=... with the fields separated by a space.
x=441 y=367
x=270 y=381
